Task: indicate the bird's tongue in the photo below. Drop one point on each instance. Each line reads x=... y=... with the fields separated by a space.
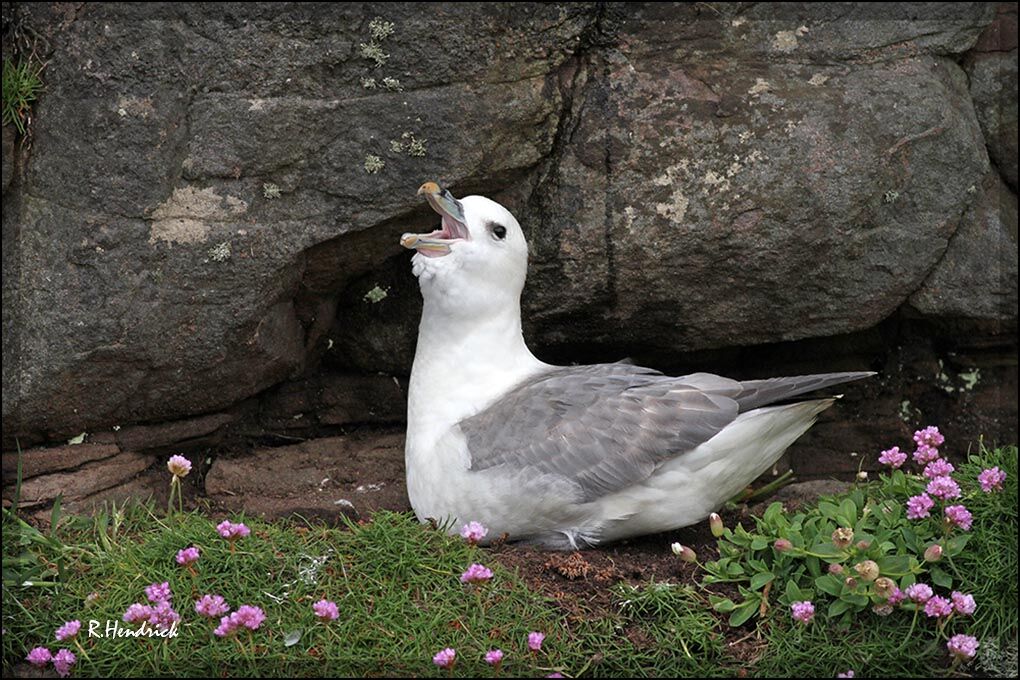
x=437 y=243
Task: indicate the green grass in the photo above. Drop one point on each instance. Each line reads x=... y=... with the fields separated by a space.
x=21 y=86
x=397 y=587
x=989 y=565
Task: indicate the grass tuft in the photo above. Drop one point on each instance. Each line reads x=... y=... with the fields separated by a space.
x=22 y=82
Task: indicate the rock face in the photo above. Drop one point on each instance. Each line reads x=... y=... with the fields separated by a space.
x=200 y=241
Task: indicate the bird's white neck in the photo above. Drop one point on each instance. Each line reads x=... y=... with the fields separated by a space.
x=462 y=364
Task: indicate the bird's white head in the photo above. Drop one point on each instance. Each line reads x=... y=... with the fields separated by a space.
x=476 y=262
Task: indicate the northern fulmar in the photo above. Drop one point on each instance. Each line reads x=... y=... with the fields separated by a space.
x=566 y=457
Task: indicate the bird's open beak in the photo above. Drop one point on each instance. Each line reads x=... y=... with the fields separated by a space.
x=453 y=227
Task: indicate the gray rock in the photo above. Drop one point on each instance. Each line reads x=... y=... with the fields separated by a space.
x=213 y=198
x=977 y=276
x=704 y=205
x=331 y=399
x=190 y=164
x=992 y=67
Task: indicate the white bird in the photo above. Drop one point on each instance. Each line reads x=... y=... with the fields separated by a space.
x=565 y=457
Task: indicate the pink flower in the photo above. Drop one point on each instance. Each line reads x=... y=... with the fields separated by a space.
x=893 y=457
x=929 y=436
x=991 y=479
x=918 y=507
x=187 y=556
x=925 y=454
x=159 y=592
x=938 y=606
x=473 y=532
x=803 y=611
x=962 y=646
x=940 y=467
x=212 y=606
x=137 y=613
x=445 y=658
x=848 y=674
x=163 y=616
x=494 y=657
x=326 y=610
x=40 y=656
x=960 y=516
x=68 y=630
x=248 y=616
x=232 y=531
x=226 y=627
x=63 y=660
x=963 y=604
x=944 y=488
x=179 y=466
x=896 y=597
x=919 y=592
x=476 y=573
x=535 y=640
x=555 y=675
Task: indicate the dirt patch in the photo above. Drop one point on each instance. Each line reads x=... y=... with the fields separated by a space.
x=320 y=479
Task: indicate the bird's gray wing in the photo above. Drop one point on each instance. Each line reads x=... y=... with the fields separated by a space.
x=604 y=427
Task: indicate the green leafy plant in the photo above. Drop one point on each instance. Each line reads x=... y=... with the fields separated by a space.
x=851 y=553
x=21 y=85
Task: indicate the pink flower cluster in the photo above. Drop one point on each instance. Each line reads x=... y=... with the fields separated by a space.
x=246 y=616
x=919 y=507
x=963 y=604
x=535 y=640
x=494 y=657
x=68 y=630
x=941 y=484
x=940 y=467
x=919 y=592
x=179 y=466
x=476 y=573
x=929 y=436
x=802 y=611
x=944 y=488
x=187 y=556
x=938 y=606
x=960 y=516
x=991 y=479
x=326 y=610
x=211 y=606
x=62 y=660
x=159 y=592
x=473 y=532
x=445 y=658
x=231 y=531
x=962 y=646
x=893 y=457
x=160 y=614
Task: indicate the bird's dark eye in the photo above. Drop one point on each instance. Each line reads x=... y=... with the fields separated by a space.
x=499 y=231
